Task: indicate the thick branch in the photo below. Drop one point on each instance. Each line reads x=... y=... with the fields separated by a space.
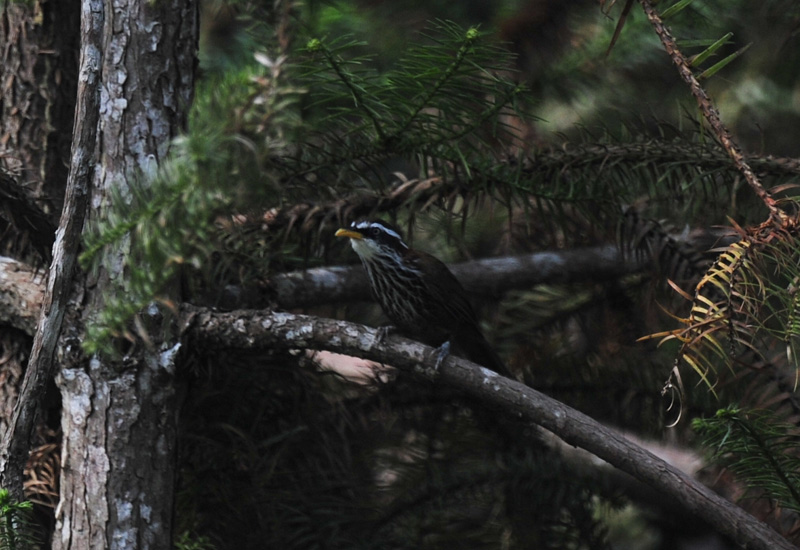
x=270 y=330
x=22 y=288
x=16 y=445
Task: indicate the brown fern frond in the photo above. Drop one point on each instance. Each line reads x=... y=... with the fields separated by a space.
x=44 y=468
x=746 y=300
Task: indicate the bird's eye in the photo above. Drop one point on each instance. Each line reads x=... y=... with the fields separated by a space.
x=373 y=232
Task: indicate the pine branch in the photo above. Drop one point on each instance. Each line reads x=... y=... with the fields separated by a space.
x=469 y=38
x=262 y=330
x=17 y=531
x=362 y=100
x=710 y=112
x=696 y=158
x=699 y=156
x=759 y=449
x=428 y=110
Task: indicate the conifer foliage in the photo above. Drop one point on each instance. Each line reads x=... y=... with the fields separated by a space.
x=281 y=452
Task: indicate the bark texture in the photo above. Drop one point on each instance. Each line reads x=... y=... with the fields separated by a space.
x=17 y=440
x=21 y=294
x=15 y=349
x=38 y=70
x=119 y=418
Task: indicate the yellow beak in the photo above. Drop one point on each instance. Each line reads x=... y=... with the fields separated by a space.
x=349 y=233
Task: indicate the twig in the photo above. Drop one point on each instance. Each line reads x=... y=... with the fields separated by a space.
x=249 y=329
x=710 y=112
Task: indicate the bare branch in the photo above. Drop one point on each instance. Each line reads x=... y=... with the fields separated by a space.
x=249 y=329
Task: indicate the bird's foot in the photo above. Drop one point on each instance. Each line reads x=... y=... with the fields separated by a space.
x=441 y=354
x=382 y=333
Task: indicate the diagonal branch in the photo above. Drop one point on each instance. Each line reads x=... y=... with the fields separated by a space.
x=16 y=444
x=710 y=112
x=249 y=329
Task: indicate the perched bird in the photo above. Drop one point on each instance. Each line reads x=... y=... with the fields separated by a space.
x=420 y=295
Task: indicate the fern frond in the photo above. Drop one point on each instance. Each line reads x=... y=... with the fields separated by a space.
x=745 y=299
x=713 y=330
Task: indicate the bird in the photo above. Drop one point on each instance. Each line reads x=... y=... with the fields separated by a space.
x=420 y=295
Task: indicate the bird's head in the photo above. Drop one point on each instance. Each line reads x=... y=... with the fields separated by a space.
x=371 y=238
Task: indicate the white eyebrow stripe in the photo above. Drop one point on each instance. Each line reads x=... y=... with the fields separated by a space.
x=365 y=225
x=390 y=232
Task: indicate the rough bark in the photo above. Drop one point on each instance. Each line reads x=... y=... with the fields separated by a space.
x=38 y=69
x=21 y=294
x=120 y=416
x=16 y=443
x=15 y=348
x=270 y=330
x=26 y=222
x=38 y=75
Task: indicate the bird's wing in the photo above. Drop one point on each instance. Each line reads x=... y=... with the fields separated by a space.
x=441 y=283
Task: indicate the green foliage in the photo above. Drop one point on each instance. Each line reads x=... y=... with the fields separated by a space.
x=762 y=451
x=438 y=108
x=16 y=530
x=719 y=65
x=186 y=541
x=675 y=8
x=444 y=111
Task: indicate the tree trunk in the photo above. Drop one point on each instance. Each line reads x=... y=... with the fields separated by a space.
x=38 y=75
x=119 y=416
x=38 y=71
